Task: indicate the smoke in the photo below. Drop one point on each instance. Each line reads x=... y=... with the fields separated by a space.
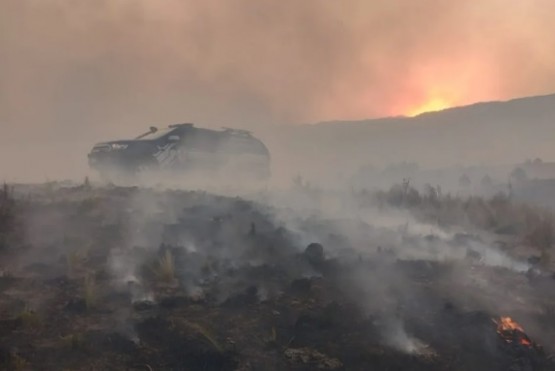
x=80 y=71
x=397 y=337
x=400 y=272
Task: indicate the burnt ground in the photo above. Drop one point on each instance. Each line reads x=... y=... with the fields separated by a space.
x=136 y=279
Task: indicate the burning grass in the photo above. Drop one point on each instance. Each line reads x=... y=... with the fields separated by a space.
x=512 y=332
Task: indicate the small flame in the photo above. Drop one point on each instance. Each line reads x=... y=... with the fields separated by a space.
x=512 y=331
x=526 y=342
x=507 y=324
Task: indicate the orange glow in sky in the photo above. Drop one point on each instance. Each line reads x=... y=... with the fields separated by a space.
x=431 y=105
x=444 y=83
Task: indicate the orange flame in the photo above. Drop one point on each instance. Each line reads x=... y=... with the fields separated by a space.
x=511 y=331
x=507 y=324
x=526 y=342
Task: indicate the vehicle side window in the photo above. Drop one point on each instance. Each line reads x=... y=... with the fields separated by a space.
x=244 y=146
x=201 y=141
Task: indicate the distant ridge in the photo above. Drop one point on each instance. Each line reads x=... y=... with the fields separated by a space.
x=486 y=133
x=478 y=107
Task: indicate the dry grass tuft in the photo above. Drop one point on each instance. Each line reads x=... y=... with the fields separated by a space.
x=498 y=214
x=207 y=335
x=90 y=292
x=201 y=330
x=73 y=341
x=29 y=318
x=18 y=363
x=164 y=269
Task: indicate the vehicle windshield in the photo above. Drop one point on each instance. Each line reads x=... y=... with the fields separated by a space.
x=157 y=135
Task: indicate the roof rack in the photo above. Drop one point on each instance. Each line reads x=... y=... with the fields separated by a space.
x=181 y=125
x=151 y=130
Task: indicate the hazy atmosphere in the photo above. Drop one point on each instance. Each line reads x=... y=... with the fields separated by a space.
x=75 y=72
x=299 y=185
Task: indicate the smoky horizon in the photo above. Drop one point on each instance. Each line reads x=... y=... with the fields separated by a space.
x=70 y=66
x=277 y=185
x=77 y=73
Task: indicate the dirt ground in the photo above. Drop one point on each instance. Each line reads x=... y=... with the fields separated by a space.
x=112 y=278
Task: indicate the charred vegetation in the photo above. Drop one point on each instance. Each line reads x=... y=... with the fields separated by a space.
x=118 y=278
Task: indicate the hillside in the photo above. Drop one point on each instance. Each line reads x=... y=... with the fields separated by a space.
x=489 y=133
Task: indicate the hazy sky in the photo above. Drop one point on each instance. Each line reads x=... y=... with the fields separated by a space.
x=82 y=67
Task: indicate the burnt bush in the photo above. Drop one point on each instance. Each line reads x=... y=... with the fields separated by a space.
x=541 y=230
x=8 y=217
x=499 y=214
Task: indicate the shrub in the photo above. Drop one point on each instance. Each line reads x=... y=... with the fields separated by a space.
x=541 y=232
x=8 y=219
x=499 y=214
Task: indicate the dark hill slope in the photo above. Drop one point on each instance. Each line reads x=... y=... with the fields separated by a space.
x=484 y=133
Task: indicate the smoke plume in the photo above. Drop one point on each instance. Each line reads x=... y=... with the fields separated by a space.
x=80 y=71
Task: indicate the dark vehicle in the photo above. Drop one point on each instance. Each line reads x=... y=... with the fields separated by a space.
x=184 y=149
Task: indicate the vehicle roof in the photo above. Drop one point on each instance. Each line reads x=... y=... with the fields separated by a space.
x=157 y=134
x=177 y=127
